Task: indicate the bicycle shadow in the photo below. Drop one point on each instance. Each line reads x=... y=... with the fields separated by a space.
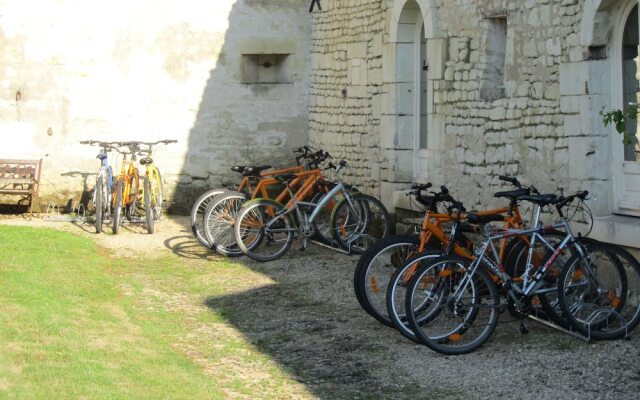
x=86 y=194
x=188 y=247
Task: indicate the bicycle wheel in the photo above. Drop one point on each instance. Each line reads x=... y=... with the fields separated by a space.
x=219 y=218
x=117 y=207
x=148 y=209
x=357 y=225
x=322 y=222
x=98 y=195
x=396 y=293
x=197 y=214
x=156 y=198
x=132 y=204
x=449 y=310
x=544 y=305
x=375 y=267
x=599 y=294
x=263 y=230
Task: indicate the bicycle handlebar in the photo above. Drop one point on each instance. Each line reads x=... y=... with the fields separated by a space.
x=564 y=201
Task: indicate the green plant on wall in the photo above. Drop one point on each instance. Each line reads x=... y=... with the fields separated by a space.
x=618 y=118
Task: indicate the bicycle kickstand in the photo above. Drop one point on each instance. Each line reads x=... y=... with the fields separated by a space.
x=305 y=243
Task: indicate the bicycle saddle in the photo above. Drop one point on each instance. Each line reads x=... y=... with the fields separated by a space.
x=540 y=199
x=146 y=160
x=255 y=170
x=517 y=193
x=484 y=219
x=238 y=168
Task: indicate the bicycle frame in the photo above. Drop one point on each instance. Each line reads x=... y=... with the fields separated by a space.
x=529 y=286
x=129 y=175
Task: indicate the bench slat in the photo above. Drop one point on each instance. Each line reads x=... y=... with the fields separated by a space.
x=9 y=181
x=15 y=191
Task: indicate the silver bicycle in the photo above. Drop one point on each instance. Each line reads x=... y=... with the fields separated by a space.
x=103 y=189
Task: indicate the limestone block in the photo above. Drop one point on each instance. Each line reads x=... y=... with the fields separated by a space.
x=589 y=158
x=357 y=50
x=437 y=57
x=389 y=63
x=599 y=81
x=436 y=129
x=387 y=190
x=573 y=78
x=570 y=104
x=497 y=114
x=376 y=45
x=553 y=46
x=403 y=171
x=590 y=118
x=572 y=125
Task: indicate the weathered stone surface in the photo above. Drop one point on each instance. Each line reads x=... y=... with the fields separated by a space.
x=169 y=70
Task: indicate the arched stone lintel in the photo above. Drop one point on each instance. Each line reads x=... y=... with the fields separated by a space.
x=596 y=22
x=427 y=9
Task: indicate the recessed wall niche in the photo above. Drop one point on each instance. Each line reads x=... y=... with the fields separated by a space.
x=266 y=69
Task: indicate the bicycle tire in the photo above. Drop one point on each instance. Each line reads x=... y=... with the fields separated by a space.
x=218 y=221
x=157 y=200
x=322 y=222
x=544 y=306
x=375 y=266
x=197 y=214
x=99 y=204
x=602 y=301
x=356 y=228
x=117 y=208
x=148 y=209
x=131 y=204
x=468 y=330
x=257 y=224
x=396 y=294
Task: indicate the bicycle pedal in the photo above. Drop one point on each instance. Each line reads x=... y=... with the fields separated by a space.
x=524 y=329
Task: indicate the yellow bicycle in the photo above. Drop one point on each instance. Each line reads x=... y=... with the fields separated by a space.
x=151 y=196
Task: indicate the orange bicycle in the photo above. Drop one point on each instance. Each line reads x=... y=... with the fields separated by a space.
x=250 y=185
x=221 y=213
x=375 y=273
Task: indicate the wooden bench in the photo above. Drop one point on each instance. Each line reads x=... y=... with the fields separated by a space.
x=21 y=178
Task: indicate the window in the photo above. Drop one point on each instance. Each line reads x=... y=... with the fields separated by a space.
x=492 y=84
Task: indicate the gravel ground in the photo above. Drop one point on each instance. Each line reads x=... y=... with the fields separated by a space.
x=310 y=323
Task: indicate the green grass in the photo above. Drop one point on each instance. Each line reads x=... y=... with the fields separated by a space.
x=76 y=322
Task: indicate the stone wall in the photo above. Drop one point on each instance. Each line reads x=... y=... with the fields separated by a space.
x=191 y=70
x=541 y=123
x=346 y=87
